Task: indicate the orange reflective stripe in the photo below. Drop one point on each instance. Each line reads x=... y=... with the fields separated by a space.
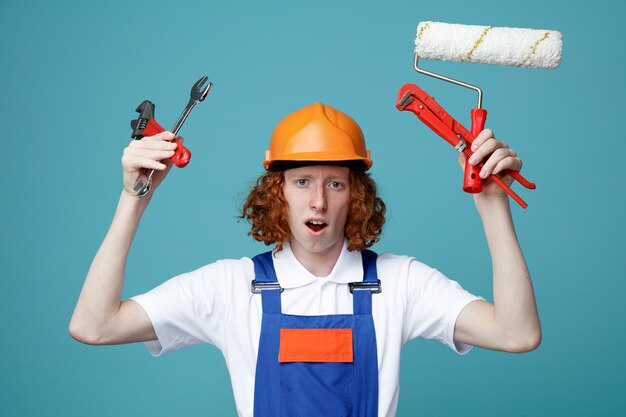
x=315 y=345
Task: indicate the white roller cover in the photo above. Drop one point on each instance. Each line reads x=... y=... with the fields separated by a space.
x=488 y=45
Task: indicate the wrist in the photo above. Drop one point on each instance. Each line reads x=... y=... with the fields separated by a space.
x=487 y=203
x=134 y=202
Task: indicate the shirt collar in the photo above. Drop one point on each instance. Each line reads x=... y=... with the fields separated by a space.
x=292 y=274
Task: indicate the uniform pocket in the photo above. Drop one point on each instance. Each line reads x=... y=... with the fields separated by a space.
x=316 y=372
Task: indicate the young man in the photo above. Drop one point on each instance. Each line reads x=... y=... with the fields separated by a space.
x=316 y=326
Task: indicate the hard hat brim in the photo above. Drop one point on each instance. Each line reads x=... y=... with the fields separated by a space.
x=279 y=166
x=320 y=158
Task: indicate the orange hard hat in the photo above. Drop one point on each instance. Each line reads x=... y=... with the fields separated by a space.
x=317 y=133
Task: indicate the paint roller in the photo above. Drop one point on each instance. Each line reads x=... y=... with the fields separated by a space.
x=478 y=44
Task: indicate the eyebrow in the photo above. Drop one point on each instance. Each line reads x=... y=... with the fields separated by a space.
x=311 y=176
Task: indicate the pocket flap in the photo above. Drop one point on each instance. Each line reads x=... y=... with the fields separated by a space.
x=315 y=345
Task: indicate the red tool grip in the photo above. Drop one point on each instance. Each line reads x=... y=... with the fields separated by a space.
x=516 y=175
x=509 y=191
x=181 y=156
x=472 y=183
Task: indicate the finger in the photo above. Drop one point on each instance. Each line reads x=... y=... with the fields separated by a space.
x=482 y=138
x=155 y=155
x=137 y=162
x=166 y=135
x=152 y=144
x=487 y=148
x=495 y=158
x=168 y=163
x=179 y=139
x=512 y=163
x=130 y=157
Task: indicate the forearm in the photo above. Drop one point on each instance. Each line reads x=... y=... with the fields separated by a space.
x=515 y=311
x=100 y=297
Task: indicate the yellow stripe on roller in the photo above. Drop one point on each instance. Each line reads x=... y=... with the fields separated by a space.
x=477 y=43
x=424 y=28
x=533 y=49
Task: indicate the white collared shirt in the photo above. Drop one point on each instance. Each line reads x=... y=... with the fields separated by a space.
x=214 y=305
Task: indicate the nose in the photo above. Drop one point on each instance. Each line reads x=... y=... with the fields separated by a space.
x=318 y=199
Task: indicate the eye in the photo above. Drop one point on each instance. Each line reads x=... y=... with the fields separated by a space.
x=336 y=185
x=301 y=182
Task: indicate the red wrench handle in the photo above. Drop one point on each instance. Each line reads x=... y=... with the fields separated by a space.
x=516 y=175
x=472 y=183
x=508 y=190
x=472 y=180
x=181 y=156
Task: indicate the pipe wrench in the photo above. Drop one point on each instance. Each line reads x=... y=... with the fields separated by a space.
x=417 y=101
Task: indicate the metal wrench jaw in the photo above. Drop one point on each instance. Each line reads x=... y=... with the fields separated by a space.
x=199 y=91
x=142 y=185
x=406 y=99
x=197 y=94
x=144 y=191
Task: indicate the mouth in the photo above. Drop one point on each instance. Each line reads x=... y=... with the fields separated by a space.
x=316 y=225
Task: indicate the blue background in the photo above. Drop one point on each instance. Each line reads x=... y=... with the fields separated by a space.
x=72 y=73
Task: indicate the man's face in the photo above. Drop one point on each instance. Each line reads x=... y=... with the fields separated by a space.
x=318 y=197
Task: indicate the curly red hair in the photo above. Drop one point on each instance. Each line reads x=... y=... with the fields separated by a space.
x=266 y=210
